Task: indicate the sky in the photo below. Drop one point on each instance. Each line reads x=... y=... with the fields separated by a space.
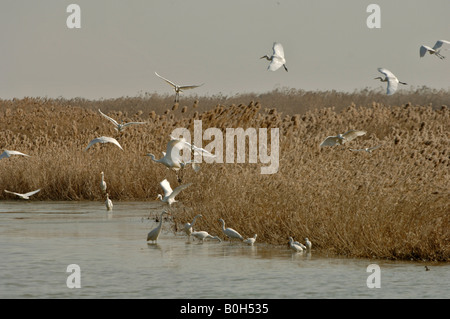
x=327 y=44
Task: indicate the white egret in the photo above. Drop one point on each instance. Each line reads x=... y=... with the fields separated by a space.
x=230 y=232
x=169 y=194
x=436 y=49
x=294 y=246
x=367 y=149
x=341 y=139
x=391 y=79
x=103 y=183
x=308 y=244
x=7 y=154
x=202 y=235
x=103 y=139
x=300 y=244
x=23 y=196
x=119 y=127
x=154 y=234
x=277 y=59
x=188 y=227
x=251 y=241
x=171 y=158
x=178 y=88
x=108 y=203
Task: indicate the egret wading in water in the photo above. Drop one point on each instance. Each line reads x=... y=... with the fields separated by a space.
x=391 y=79
x=108 y=203
x=169 y=194
x=277 y=58
x=103 y=139
x=341 y=139
x=230 y=232
x=295 y=247
x=188 y=227
x=154 y=234
x=23 y=196
x=119 y=127
x=308 y=244
x=178 y=88
x=7 y=154
x=251 y=241
x=202 y=235
x=436 y=49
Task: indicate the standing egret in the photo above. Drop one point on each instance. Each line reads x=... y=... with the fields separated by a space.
x=178 y=88
x=103 y=183
x=308 y=244
x=103 y=139
x=277 y=59
x=7 y=154
x=23 y=196
x=169 y=194
x=188 y=227
x=391 y=79
x=251 y=241
x=341 y=139
x=230 y=232
x=434 y=50
x=367 y=149
x=202 y=235
x=294 y=246
x=154 y=234
x=119 y=127
x=108 y=203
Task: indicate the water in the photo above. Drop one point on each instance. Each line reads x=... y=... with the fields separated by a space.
x=38 y=240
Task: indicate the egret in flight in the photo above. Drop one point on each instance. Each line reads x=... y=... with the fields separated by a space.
x=341 y=139
x=178 y=88
x=7 y=154
x=154 y=234
x=119 y=127
x=202 y=235
x=367 y=149
x=169 y=194
x=436 y=49
x=230 y=232
x=391 y=79
x=103 y=139
x=23 y=196
x=277 y=59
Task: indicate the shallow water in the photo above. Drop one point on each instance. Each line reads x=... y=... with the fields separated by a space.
x=38 y=240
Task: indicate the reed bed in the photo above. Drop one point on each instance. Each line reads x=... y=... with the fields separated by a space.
x=392 y=203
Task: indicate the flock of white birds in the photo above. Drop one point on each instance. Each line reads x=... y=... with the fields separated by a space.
x=172 y=159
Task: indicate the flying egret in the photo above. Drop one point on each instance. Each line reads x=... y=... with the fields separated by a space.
x=341 y=139
x=251 y=241
x=169 y=194
x=391 y=79
x=367 y=149
x=277 y=59
x=154 y=234
x=202 y=235
x=178 y=88
x=119 y=127
x=24 y=196
x=108 y=203
x=230 y=232
x=294 y=246
x=434 y=50
x=103 y=183
x=7 y=154
x=188 y=227
x=103 y=139
x=308 y=244
x=171 y=158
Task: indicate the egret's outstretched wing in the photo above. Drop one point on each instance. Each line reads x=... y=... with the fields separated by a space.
x=173 y=148
x=178 y=189
x=103 y=139
x=439 y=44
x=424 y=49
x=392 y=80
x=352 y=134
x=188 y=87
x=370 y=149
x=109 y=118
x=32 y=193
x=7 y=153
x=330 y=141
x=132 y=123
x=168 y=81
x=275 y=64
x=278 y=50
x=165 y=185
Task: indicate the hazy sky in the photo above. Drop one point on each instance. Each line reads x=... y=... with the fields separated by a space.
x=122 y=43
